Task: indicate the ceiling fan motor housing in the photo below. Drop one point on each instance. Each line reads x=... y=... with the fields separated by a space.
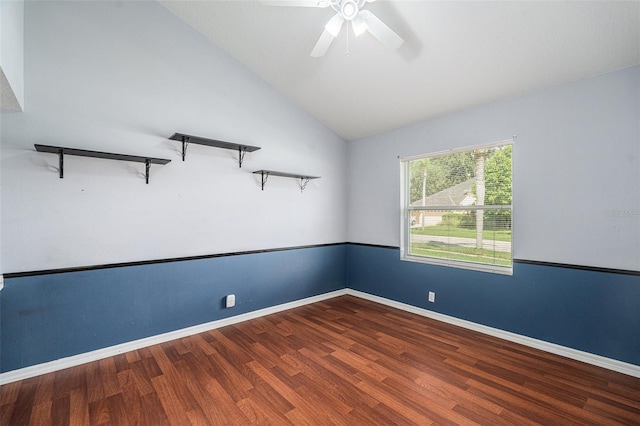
x=349 y=9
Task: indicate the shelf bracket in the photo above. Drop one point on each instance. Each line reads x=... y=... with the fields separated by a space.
x=265 y=176
x=61 y=162
x=185 y=144
x=303 y=183
x=147 y=166
x=242 y=150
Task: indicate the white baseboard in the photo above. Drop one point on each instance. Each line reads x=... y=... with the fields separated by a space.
x=600 y=361
x=72 y=361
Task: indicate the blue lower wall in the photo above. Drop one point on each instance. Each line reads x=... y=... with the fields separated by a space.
x=51 y=316
x=596 y=312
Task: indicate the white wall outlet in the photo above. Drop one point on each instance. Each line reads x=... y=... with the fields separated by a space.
x=432 y=296
x=230 y=301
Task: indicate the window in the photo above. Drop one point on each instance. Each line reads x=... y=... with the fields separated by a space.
x=456 y=208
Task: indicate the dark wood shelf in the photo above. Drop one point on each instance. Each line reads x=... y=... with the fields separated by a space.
x=61 y=151
x=304 y=179
x=187 y=139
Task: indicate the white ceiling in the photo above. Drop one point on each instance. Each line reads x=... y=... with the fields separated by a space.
x=456 y=55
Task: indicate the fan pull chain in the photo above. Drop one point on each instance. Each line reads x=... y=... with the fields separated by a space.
x=347 y=53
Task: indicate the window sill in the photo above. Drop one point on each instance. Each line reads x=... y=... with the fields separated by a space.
x=493 y=269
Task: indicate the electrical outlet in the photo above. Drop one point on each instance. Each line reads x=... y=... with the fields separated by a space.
x=230 y=301
x=432 y=296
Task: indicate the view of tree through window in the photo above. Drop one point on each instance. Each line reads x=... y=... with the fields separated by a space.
x=459 y=207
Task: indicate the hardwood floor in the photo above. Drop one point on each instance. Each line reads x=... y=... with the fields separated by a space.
x=344 y=361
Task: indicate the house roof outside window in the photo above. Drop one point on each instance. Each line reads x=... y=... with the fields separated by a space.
x=456 y=195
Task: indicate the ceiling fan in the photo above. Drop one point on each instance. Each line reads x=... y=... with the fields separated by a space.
x=346 y=10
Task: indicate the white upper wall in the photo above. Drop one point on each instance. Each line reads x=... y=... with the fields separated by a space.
x=11 y=55
x=576 y=170
x=122 y=77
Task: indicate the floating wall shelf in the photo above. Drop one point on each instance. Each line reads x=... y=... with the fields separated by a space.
x=304 y=179
x=61 y=151
x=187 y=139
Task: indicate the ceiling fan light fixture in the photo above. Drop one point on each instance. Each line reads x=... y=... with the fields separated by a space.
x=359 y=24
x=334 y=25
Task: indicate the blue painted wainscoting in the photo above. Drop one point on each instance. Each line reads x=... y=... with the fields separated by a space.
x=48 y=316
x=52 y=315
x=588 y=310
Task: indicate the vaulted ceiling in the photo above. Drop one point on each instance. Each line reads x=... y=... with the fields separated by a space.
x=456 y=54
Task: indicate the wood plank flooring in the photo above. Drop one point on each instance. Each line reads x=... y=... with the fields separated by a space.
x=344 y=361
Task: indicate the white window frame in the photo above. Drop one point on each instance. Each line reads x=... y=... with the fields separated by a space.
x=405 y=221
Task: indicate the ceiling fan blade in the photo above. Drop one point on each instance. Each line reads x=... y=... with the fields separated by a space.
x=322 y=45
x=380 y=31
x=297 y=3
